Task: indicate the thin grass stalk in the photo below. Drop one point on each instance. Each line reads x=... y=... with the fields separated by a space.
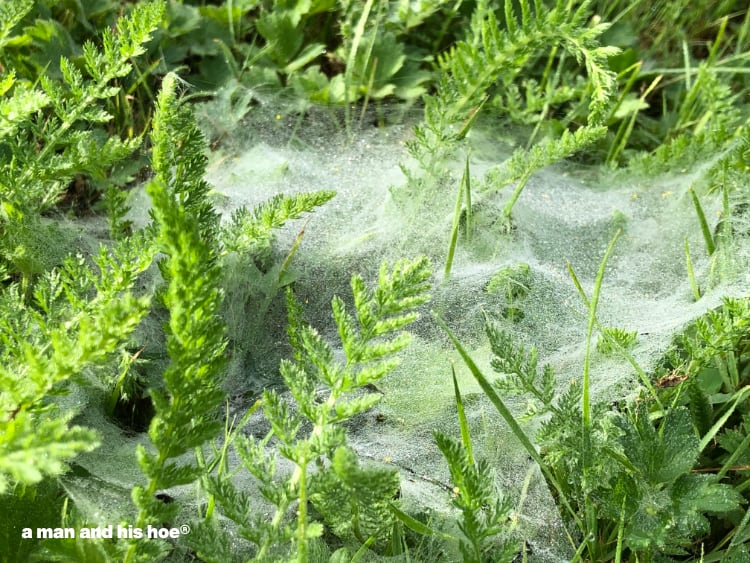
x=516 y=194
x=467 y=175
x=523 y=494
x=549 y=86
x=366 y=100
x=739 y=531
x=742 y=35
x=365 y=547
x=686 y=58
x=577 y=556
x=417 y=526
x=469 y=121
x=368 y=55
x=691 y=272
x=456 y=225
x=733 y=458
x=463 y=423
x=713 y=53
x=725 y=231
x=589 y=332
x=707 y=236
x=634 y=71
x=589 y=510
x=230 y=21
x=626 y=128
x=620 y=532
x=740 y=395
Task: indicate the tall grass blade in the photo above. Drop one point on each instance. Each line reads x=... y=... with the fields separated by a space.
x=589 y=332
x=586 y=456
x=719 y=424
x=691 y=272
x=456 y=221
x=620 y=532
x=509 y=419
x=417 y=526
x=465 y=436
x=707 y=236
x=359 y=32
x=616 y=345
x=467 y=184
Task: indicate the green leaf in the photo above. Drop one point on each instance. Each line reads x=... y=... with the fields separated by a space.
x=661 y=457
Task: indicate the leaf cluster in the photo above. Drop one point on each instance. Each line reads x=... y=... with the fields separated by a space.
x=637 y=489
x=492 y=57
x=662 y=504
x=78 y=318
x=47 y=138
x=486 y=511
x=308 y=430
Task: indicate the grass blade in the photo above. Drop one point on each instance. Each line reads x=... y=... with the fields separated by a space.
x=719 y=424
x=616 y=345
x=465 y=436
x=418 y=526
x=509 y=419
x=589 y=331
x=710 y=245
x=456 y=221
x=467 y=185
x=691 y=272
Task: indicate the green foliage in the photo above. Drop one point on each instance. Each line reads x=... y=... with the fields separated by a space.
x=353 y=499
x=699 y=114
x=523 y=163
x=641 y=475
x=34 y=507
x=626 y=479
x=33 y=176
x=186 y=410
x=707 y=369
x=519 y=371
x=514 y=282
x=665 y=504
x=250 y=231
x=641 y=482
x=485 y=511
x=611 y=336
x=720 y=338
x=79 y=319
x=309 y=430
x=46 y=135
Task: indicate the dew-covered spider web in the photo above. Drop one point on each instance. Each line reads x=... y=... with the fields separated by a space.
x=567 y=214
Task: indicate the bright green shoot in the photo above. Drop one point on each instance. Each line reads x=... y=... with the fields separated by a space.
x=464 y=190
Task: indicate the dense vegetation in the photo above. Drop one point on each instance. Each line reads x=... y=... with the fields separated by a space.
x=97 y=97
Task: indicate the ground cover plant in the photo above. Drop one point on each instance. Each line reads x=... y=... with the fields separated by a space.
x=561 y=163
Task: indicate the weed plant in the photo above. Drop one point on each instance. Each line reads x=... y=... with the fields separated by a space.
x=655 y=465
